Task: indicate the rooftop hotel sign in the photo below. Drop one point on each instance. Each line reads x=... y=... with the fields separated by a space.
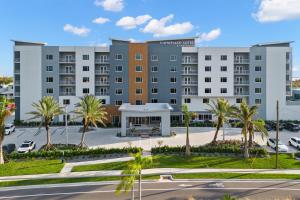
x=181 y=42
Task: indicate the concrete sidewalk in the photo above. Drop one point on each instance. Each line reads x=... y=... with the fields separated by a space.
x=157 y=171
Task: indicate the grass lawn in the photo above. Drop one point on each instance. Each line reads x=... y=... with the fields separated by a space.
x=173 y=161
x=14 y=168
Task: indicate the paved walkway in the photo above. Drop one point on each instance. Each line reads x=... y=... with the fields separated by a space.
x=157 y=171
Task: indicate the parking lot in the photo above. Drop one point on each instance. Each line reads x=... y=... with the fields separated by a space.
x=100 y=137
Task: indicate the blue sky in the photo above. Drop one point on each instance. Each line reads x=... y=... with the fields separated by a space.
x=93 y=22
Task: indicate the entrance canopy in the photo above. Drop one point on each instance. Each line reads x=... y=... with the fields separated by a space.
x=149 y=119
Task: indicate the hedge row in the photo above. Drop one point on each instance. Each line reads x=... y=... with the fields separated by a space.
x=56 y=154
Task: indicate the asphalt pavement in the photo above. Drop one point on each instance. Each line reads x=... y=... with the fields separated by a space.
x=154 y=190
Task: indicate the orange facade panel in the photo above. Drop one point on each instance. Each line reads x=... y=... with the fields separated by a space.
x=138 y=73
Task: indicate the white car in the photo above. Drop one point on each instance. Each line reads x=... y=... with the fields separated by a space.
x=9 y=128
x=26 y=147
x=295 y=142
x=281 y=147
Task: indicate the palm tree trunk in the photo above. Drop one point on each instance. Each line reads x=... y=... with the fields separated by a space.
x=187 y=144
x=246 y=152
x=140 y=184
x=250 y=140
x=82 y=136
x=1 y=153
x=132 y=192
x=48 y=145
x=217 y=131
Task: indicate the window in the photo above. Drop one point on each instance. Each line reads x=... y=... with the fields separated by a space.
x=85 y=79
x=154 y=100
x=173 y=90
x=207 y=57
x=257 y=90
x=257 y=68
x=257 y=101
x=207 y=79
x=173 y=69
x=205 y=100
x=257 y=79
x=49 y=57
x=223 y=68
x=205 y=117
x=239 y=100
x=207 y=68
x=49 y=90
x=118 y=56
x=154 y=79
x=119 y=68
x=223 y=57
x=173 y=58
x=223 y=90
x=85 y=68
x=223 y=79
x=66 y=101
x=154 y=69
x=138 y=79
x=138 y=56
x=207 y=90
x=172 y=101
x=49 y=79
x=119 y=91
x=154 y=90
x=173 y=79
x=138 y=102
x=257 y=57
x=138 y=68
x=103 y=101
x=85 y=90
x=85 y=57
x=154 y=58
x=118 y=102
x=187 y=100
x=49 y=68
x=119 y=79
x=138 y=91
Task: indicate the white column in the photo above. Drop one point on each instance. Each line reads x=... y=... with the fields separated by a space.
x=123 y=124
x=165 y=123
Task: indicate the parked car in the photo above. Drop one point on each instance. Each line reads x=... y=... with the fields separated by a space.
x=26 y=147
x=295 y=142
x=9 y=128
x=273 y=125
x=8 y=148
x=268 y=127
x=281 y=147
x=292 y=127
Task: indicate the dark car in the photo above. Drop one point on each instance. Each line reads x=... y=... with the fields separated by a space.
x=273 y=125
x=8 y=148
x=292 y=127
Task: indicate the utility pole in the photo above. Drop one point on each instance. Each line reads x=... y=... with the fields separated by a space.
x=277 y=132
x=66 y=124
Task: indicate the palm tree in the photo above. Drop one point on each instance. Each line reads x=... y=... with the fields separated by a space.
x=221 y=109
x=91 y=111
x=46 y=110
x=261 y=124
x=6 y=110
x=246 y=114
x=134 y=170
x=187 y=119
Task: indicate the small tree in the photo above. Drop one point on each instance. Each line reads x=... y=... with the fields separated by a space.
x=46 y=110
x=6 y=110
x=222 y=110
x=187 y=119
x=134 y=170
x=91 y=111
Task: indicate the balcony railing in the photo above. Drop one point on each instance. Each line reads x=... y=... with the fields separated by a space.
x=241 y=61
x=190 y=72
x=67 y=94
x=241 y=93
x=66 y=60
x=102 y=83
x=17 y=82
x=101 y=71
x=17 y=94
x=193 y=61
x=101 y=93
x=241 y=82
x=67 y=71
x=67 y=82
x=101 y=61
x=189 y=82
x=17 y=71
x=241 y=71
x=17 y=60
x=189 y=93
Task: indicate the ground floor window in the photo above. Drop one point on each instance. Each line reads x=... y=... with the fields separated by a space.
x=116 y=120
x=205 y=117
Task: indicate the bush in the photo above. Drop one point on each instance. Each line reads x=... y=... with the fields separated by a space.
x=57 y=154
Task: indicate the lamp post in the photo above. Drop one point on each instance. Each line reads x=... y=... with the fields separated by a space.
x=66 y=124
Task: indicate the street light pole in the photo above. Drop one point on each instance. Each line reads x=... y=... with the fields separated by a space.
x=66 y=124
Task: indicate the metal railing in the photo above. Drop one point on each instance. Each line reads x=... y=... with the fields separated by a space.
x=189 y=82
x=241 y=71
x=67 y=93
x=189 y=93
x=64 y=82
x=101 y=71
x=101 y=93
x=17 y=60
x=17 y=94
x=67 y=71
x=189 y=72
x=241 y=93
x=241 y=61
x=65 y=60
x=101 y=61
x=101 y=82
x=241 y=82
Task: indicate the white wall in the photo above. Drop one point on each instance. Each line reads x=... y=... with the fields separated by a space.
x=30 y=78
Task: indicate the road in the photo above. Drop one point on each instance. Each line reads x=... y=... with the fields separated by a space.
x=153 y=190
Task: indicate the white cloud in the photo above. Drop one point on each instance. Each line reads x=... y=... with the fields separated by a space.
x=296 y=68
x=100 y=20
x=132 y=22
x=110 y=5
x=211 y=35
x=277 y=10
x=133 y=40
x=159 y=28
x=82 y=31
